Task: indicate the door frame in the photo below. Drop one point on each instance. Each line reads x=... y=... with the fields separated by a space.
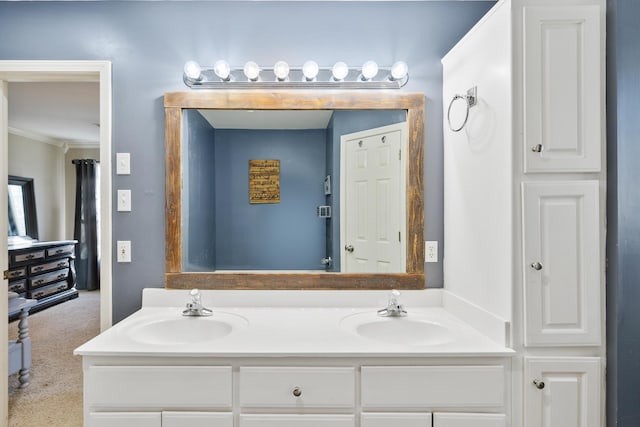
x=57 y=71
x=404 y=147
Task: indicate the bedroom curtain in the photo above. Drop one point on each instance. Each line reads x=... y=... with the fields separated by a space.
x=86 y=229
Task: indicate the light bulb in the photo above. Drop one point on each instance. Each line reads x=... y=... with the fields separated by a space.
x=222 y=69
x=310 y=70
x=281 y=70
x=192 y=70
x=252 y=71
x=340 y=71
x=399 y=70
x=369 y=70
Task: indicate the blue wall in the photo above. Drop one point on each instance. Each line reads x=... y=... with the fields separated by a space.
x=198 y=184
x=274 y=236
x=149 y=42
x=623 y=213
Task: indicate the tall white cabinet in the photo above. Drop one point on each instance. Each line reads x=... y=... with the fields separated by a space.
x=546 y=254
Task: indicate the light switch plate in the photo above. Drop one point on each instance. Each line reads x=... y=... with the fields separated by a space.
x=123 y=164
x=124 y=200
x=124 y=250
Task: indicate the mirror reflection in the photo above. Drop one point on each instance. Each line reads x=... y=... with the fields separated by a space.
x=22 y=220
x=267 y=186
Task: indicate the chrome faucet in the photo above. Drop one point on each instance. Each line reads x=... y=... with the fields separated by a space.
x=393 y=309
x=195 y=308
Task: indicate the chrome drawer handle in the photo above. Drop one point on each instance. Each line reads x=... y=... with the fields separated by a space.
x=297 y=392
x=539 y=384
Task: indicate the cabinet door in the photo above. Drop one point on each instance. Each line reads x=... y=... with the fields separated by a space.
x=469 y=420
x=566 y=392
x=562 y=89
x=197 y=419
x=268 y=420
x=561 y=239
x=395 y=419
x=125 y=419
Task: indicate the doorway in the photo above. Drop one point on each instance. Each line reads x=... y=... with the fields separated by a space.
x=57 y=71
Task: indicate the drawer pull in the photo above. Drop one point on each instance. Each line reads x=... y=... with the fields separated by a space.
x=539 y=384
x=37 y=269
x=297 y=392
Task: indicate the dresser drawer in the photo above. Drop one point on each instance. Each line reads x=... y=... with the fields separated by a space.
x=45 y=279
x=421 y=387
x=16 y=273
x=28 y=256
x=279 y=387
x=159 y=387
x=49 y=266
x=18 y=286
x=60 y=250
x=45 y=291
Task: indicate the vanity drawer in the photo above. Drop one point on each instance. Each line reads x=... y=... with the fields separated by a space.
x=433 y=386
x=49 y=266
x=28 y=256
x=279 y=387
x=45 y=279
x=158 y=387
x=395 y=419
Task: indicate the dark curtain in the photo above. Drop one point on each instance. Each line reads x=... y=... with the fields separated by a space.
x=86 y=226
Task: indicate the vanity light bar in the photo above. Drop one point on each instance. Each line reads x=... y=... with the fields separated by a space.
x=252 y=76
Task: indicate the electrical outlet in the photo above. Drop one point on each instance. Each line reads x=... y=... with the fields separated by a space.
x=124 y=250
x=431 y=251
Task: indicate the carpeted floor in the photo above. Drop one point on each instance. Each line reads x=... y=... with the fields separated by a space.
x=54 y=396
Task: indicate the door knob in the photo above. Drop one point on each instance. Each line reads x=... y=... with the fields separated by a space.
x=536 y=266
x=348 y=248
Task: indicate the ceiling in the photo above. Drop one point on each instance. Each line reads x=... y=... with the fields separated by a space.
x=63 y=113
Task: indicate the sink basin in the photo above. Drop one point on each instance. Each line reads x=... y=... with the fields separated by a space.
x=184 y=330
x=409 y=330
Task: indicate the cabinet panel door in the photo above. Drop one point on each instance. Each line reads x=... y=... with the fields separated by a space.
x=267 y=420
x=469 y=420
x=395 y=420
x=570 y=395
x=197 y=419
x=562 y=89
x=561 y=239
x=125 y=419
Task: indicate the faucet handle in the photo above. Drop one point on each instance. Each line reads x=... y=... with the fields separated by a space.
x=195 y=295
x=393 y=296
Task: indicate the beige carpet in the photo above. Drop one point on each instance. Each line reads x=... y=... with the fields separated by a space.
x=54 y=395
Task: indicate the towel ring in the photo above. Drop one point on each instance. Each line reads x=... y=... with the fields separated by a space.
x=470 y=99
x=466 y=116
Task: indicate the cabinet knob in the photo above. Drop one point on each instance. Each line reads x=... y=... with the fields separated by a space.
x=536 y=266
x=539 y=384
x=297 y=392
x=348 y=248
x=537 y=148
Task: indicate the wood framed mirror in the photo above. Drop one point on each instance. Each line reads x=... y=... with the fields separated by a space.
x=175 y=103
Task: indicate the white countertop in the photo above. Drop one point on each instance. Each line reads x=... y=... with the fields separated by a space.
x=306 y=330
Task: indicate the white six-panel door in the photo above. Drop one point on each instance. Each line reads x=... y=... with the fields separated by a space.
x=561 y=263
x=372 y=200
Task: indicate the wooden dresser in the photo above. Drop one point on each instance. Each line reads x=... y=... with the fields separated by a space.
x=44 y=271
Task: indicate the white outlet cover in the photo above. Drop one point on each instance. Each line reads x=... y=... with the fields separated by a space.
x=124 y=250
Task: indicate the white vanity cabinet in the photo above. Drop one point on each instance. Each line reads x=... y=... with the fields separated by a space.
x=561 y=259
x=297 y=392
x=562 y=392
